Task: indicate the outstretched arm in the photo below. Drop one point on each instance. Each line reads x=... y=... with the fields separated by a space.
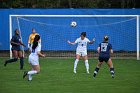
x=72 y=43
x=91 y=42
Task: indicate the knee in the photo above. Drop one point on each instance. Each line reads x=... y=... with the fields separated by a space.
x=99 y=64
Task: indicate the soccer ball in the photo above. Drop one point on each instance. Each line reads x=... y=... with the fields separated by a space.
x=73 y=24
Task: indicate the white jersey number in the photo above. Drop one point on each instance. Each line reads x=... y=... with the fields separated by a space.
x=104 y=47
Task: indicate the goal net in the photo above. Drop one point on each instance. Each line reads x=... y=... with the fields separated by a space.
x=55 y=30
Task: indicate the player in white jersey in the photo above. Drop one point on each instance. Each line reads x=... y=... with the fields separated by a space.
x=34 y=58
x=82 y=50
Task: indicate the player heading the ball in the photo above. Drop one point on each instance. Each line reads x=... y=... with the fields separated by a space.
x=81 y=50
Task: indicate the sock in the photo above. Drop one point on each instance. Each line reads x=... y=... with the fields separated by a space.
x=87 y=65
x=21 y=63
x=75 y=63
x=112 y=71
x=96 y=71
x=32 y=72
x=11 y=60
x=29 y=77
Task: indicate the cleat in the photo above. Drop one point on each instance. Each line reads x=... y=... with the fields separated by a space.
x=87 y=71
x=94 y=75
x=29 y=80
x=74 y=71
x=25 y=74
x=112 y=76
x=21 y=69
x=5 y=63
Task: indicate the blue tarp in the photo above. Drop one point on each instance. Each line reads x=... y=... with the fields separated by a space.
x=56 y=31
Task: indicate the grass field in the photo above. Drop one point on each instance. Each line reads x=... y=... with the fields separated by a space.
x=57 y=76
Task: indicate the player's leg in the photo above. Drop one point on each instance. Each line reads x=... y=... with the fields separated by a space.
x=86 y=63
x=35 y=70
x=110 y=65
x=76 y=62
x=98 y=66
x=15 y=54
x=21 y=59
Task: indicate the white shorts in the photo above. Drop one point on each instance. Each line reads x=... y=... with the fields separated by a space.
x=33 y=60
x=81 y=53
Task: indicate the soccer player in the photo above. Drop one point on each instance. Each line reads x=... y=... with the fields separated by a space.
x=16 y=43
x=31 y=37
x=81 y=50
x=34 y=58
x=104 y=50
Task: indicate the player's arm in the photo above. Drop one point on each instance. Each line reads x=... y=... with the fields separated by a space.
x=39 y=51
x=93 y=40
x=40 y=54
x=14 y=43
x=72 y=43
x=98 y=49
x=22 y=44
x=29 y=41
x=111 y=50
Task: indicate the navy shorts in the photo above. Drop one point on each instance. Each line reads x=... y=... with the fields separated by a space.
x=101 y=59
x=16 y=48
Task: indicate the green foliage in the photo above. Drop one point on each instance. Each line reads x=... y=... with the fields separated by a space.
x=69 y=4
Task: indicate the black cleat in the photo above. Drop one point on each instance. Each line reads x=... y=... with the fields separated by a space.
x=5 y=63
x=25 y=74
x=94 y=75
x=112 y=76
x=21 y=69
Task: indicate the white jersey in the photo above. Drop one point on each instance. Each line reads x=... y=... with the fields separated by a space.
x=37 y=49
x=33 y=57
x=82 y=44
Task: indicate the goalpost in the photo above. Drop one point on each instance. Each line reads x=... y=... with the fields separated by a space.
x=79 y=16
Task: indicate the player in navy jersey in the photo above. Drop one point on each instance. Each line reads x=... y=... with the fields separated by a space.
x=16 y=50
x=104 y=51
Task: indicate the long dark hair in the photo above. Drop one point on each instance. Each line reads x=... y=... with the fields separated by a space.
x=35 y=43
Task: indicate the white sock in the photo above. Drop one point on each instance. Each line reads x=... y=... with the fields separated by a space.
x=29 y=77
x=75 y=64
x=87 y=65
x=32 y=72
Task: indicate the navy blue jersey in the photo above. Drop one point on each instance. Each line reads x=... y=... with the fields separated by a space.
x=105 y=49
x=16 y=39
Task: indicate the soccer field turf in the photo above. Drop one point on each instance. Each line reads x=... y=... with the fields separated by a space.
x=57 y=76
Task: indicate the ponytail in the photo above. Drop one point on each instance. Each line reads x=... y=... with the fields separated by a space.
x=35 y=43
